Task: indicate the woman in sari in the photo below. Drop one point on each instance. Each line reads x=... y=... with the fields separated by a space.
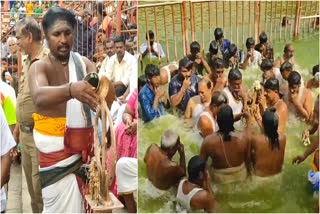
x=126 y=135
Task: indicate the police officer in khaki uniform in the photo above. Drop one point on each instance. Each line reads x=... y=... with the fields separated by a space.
x=29 y=40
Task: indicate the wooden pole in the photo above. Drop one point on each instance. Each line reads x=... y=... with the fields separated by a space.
x=305 y=13
x=166 y=32
x=242 y=24
x=183 y=30
x=310 y=13
x=230 y=11
x=186 y=32
x=118 y=31
x=256 y=20
x=249 y=18
x=287 y=20
x=157 y=33
x=209 y=16
x=147 y=30
x=224 y=19
x=259 y=26
x=292 y=20
x=297 y=20
x=275 y=20
x=271 y=15
x=315 y=19
x=280 y=26
x=174 y=33
x=202 y=28
x=194 y=24
x=191 y=20
x=265 y=16
x=216 y=14
x=237 y=23
x=139 y=45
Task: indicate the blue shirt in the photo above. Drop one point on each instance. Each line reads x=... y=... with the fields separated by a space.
x=175 y=86
x=224 y=46
x=146 y=98
x=80 y=44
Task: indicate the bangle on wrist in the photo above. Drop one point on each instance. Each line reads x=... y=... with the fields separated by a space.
x=70 y=90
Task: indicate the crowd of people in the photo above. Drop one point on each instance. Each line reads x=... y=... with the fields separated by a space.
x=48 y=104
x=243 y=128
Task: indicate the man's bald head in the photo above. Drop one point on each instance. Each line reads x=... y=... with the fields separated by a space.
x=169 y=139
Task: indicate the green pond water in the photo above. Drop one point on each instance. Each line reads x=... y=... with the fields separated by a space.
x=209 y=34
x=289 y=191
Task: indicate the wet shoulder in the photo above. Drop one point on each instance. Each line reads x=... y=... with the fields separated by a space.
x=195 y=100
x=42 y=64
x=153 y=150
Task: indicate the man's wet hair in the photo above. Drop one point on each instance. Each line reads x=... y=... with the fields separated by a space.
x=263 y=38
x=218 y=33
x=225 y=122
x=234 y=74
x=142 y=80
x=249 y=42
x=217 y=63
x=151 y=35
x=258 y=48
x=119 y=39
x=218 y=98
x=266 y=65
x=54 y=14
x=185 y=63
x=315 y=69
x=294 y=78
x=286 y=66
x=169 y=139
x=272 y=84
x=286 y=48
x=195 y=166
x=270 y=121
x=151 y=71
x=213 y=47
x=29 y=25
x=232 y=50
x=195 y=46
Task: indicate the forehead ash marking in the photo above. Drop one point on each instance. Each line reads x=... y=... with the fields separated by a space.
x=60 y=24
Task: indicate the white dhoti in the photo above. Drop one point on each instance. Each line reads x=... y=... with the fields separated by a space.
x=60 y=189
x=127 y=175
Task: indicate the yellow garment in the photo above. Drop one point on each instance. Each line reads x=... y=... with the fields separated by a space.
x=49 y=126
x=229 y=175
x=29 y=9
x=313 y=165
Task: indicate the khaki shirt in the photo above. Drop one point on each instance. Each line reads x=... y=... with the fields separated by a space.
x=25 y=106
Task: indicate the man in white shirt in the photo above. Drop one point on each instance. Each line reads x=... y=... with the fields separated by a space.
x=110 y=52
x=251 y=58
x=7 y=143
x=119 y=67
x=156 y=48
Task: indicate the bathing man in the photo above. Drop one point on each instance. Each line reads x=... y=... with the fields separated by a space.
x=161 y=170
